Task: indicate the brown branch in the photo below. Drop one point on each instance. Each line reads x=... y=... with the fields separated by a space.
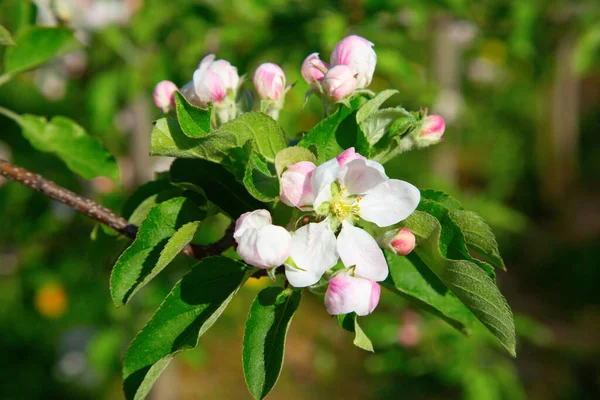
x=99 y=213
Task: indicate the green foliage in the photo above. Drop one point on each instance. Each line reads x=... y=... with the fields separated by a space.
x=168 y=227
x=290 y=156
x=6 y=38
x=216 y=183
x=464 y=278
x=191 y=308
x=411 y=278
x=194 y=121
x=349 y=322
x=264 y=337
x=82 y=153
x=38 y=45
x=260 y=178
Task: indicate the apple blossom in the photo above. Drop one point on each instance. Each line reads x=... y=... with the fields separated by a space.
x=347 y=293
x=403 y=242
x=215 y=81
x=431 y=132
x=347 y=190
x=269 y=82
x=339 y=82
x=260 y=243
x=313 y=70
x=357 y=53
x=295 y=185
x=164 y=95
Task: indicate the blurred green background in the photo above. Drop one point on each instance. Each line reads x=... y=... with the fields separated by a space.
x=518 y=83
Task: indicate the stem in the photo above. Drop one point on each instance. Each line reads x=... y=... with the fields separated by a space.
x=5 y=78
x=99 y=213
x=10 y=114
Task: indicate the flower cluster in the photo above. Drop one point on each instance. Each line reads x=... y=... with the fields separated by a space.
x=344 y=196
x=352 y=66
x=218 y=83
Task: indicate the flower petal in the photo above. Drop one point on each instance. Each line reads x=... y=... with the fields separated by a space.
x=314 y=251
x=251 y=220
x=389 y=203
x=347 y=293
x=247 y=248
x=296 y=189
x=359 y=177
x=357 y=248
x=273 y=245
x=322 y=178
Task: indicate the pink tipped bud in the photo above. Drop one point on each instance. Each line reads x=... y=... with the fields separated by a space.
x=269 y=81
x=403 y=242
x=339 y=82
x=357 y=53
x=432 y=130
x=214 y=81
x=164 y=95
x=314 y=69
x=347 y=293
x=349 y=155
x=296 y=189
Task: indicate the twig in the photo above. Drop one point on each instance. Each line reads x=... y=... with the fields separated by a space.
x=99 y=213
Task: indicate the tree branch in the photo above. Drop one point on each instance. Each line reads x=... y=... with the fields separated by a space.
x=99 y=213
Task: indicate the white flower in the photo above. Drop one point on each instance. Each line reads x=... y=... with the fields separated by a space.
x=260 y=243
x=345 y=191
x=347 y=293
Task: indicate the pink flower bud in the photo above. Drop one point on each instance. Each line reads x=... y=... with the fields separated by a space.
x=269 y=81
x=348 y=155
x=260 y=243
x=339 y=82
x=403 y=242
x=296 y=188
x=215 y=80
x=357 y=53
x=314 y=69
x=409 y=333
x=164 y=95
x=347 y=293
x=432 y=130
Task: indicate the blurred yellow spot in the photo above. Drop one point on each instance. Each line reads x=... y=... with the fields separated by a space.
x=259 y=283
x=51 y=300
x=495 y=51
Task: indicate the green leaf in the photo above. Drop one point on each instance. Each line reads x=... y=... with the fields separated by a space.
x=223 y=145
x=262 y=130
x=38 y=45
x=464 y=278
x=163 y=234
x=290 y=156
x=335 y=133
x=146 y=196
x=410 y=278
x=194 y=121
x=191 y=308
x=349 y=322
x=380 y=121
x=218 y=184
x=82 y=153
x=264 y=337
x=478 y=236
x=260 y=179
x=5 y=37
x=453 y=243
x=373 y=105
x=440 y=197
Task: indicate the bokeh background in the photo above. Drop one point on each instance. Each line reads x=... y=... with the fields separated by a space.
x=518 y=83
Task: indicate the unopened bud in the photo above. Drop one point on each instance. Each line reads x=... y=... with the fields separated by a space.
x=269 y=82
x=339 y=82
x=403 y=242
x=313 y=70
x=214 y=81
x=432 y=131
x=296 y=190
x=357 y=53
x=164 y=95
